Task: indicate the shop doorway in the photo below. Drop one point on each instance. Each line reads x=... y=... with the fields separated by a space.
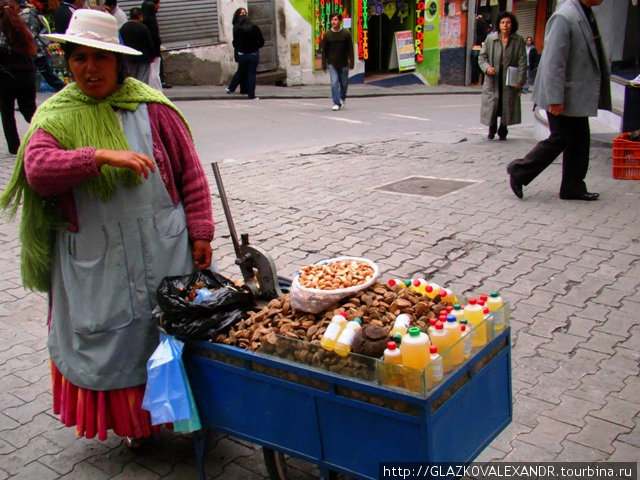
x=385 y=18
x=380 y=33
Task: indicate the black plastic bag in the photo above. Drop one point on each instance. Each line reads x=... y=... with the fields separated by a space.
x=201 y=321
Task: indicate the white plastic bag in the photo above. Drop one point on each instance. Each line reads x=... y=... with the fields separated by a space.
x=315 y=300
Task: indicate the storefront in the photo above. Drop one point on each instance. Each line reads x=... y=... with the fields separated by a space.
x=384 y=31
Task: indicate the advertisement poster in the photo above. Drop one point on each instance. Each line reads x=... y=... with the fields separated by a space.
x=404 y=50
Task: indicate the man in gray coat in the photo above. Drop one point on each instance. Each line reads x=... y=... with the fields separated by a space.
x=572 y=83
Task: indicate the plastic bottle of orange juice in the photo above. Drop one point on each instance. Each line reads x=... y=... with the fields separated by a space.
x=456 y=352
x=435 y=365
x=391 y=374
x=441 y=339
x=333 y=331
x=447 y=296
x=432 y=290
x=473 y=313
x=418 y=285
x=457 y=311
x=466 y=339
x=432 y=325
x=394 y=282
x=415 y=349
x=495 y=303
x=392 y=353
x=401 y=325
x=345 y=340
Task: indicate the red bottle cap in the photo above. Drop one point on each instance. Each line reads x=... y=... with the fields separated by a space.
x=344 y=314
x=392 y=282
x=439 y=326
x=433 y=349
x=449 y=308
x=433 y=321
x=429 y=288
x=463 y=327
x=416 y=282
x=391 y=345
x=472 y=301
x=483 y=298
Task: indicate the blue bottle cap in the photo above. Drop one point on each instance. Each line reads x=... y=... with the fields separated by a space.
x=452 y=318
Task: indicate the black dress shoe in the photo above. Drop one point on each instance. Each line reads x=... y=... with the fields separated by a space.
x=166 y=85
x=515 y=186
x=492 y=133
x=588 y=196
x=502 y=132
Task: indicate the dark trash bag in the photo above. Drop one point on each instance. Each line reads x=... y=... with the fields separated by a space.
x=204 y=320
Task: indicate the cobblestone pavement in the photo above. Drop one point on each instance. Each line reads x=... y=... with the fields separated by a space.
x=571 y=271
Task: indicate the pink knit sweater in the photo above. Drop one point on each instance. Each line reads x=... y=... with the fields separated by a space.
x=51 y=170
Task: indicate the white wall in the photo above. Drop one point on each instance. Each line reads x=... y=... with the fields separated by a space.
x=296 y=30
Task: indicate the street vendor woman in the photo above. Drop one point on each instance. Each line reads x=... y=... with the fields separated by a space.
x=114 y=198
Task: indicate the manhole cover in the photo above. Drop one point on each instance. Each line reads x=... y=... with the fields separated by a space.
x=426 y=186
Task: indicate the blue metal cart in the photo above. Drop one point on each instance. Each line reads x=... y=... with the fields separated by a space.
x=344 y=424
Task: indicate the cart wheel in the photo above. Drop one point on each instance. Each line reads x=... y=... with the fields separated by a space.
x=276 y=463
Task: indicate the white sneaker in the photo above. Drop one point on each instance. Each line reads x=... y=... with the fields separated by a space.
x=335 y=108
x=227 y=90
x=343 y=103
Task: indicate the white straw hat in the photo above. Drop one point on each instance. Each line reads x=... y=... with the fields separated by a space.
x=93 y=28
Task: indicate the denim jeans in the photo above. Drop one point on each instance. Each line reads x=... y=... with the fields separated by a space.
x=247 y=67
x=339 y=83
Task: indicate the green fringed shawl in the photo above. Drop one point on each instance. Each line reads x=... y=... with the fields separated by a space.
x=75 y=120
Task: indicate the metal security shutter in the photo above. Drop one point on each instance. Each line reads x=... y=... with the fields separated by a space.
x=184 y=23
x=525 y=11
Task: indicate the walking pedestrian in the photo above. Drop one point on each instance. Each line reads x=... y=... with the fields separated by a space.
x=571 y=85
x=337 y=55
x=503 y=60
x=248 y=40
x=136 y=35
x=114 y=198
x=533 y=58
x=31 y=14
x=111 y=6
x=63 y=13
x=150 y=19
x=17 y=72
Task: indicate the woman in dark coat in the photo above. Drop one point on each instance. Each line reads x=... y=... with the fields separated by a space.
x=501 y=50
x=236 y=58
x=247 y=40
x=17 y=71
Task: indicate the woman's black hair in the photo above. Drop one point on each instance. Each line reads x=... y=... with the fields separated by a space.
x=236 y=15
x=514 y=21
x=69 y=47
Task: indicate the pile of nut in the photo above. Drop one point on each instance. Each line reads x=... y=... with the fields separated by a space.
x=335 y=275
x=378 y=305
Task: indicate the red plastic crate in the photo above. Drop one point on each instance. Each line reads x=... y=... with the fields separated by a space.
x=626 y=158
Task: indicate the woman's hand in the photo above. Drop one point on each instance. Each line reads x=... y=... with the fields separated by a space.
x=201 y=253
x=491 y=71
x=138 y=162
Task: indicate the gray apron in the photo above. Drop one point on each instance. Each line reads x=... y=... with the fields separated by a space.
x=104 y=277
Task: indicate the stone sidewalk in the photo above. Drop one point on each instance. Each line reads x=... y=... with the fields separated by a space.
x=571 y=271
